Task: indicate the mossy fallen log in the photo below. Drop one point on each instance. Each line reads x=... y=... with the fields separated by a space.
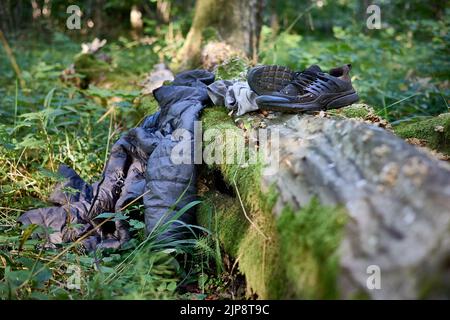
x=353 y=212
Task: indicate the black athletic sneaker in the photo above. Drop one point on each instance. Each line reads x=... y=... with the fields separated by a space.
x=273 y=79
x=327 y=91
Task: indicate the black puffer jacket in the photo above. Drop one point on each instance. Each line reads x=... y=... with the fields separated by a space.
x=139 y=163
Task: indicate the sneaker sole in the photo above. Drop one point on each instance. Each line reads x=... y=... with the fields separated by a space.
x=336 y=103
x=268 y=79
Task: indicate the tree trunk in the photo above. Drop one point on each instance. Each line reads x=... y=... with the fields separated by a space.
x=237 y=22
x=380 y=229
x=163 y=11
x=98 y=15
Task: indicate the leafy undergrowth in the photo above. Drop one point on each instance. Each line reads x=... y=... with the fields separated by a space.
x=49 y=122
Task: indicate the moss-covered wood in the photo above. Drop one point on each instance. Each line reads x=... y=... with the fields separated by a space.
x=281 y=258
x=348 y=195
x=255 y=249
x=434 y=131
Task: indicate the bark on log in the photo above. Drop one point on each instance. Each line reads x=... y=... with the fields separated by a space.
x=396 y=199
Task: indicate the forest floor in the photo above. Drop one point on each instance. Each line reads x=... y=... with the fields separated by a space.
x=47 y=122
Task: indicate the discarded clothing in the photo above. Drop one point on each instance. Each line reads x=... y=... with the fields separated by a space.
x=235 y=95
x=139 y=164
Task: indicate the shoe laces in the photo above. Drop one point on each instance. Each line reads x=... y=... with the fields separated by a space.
x=319 y=85
x=303 y=78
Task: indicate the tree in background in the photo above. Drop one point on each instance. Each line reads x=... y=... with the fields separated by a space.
x=236 y=22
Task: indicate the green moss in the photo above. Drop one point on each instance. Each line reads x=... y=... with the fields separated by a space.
x=217 y=118
x=353 y=111
x=256 y=253
x=222 y=215
x=434 y=131
x=309 y=240
x=257 y=250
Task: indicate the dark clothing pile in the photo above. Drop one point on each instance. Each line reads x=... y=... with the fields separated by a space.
x=139 y=164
